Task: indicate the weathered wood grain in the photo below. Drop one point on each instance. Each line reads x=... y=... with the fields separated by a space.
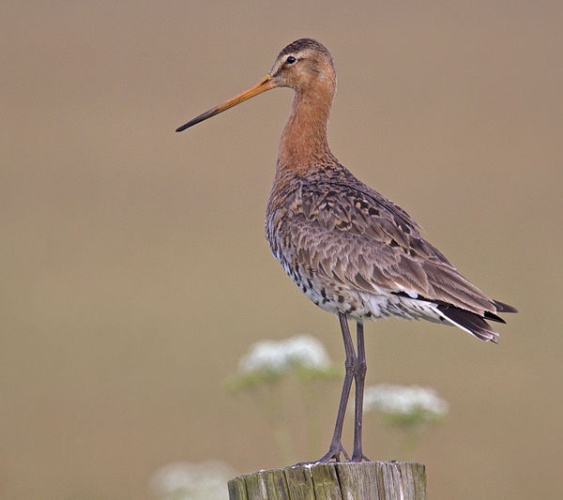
x=334 y=481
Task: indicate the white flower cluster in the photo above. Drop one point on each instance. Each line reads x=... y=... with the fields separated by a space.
x=189 y=481
x=282 y=355
x=400 y=400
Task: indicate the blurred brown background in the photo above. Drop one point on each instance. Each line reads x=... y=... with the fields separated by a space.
x=134 y=270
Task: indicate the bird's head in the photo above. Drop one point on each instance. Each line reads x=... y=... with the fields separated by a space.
x=304 y=65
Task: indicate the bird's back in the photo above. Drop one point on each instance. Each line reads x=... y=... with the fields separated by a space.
x=353 y=251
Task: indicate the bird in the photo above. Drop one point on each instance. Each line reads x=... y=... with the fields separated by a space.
x=349 y=249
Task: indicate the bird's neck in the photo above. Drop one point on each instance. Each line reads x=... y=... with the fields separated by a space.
x=304 y=143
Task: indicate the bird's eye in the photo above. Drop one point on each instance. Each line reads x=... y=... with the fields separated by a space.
x=291 y=60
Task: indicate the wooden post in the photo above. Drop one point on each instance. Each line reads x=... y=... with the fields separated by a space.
x=334 y=481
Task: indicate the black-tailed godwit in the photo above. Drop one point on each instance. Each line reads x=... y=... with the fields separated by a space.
x=353 y=252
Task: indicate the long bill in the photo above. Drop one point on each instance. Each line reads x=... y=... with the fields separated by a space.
x=263 y=85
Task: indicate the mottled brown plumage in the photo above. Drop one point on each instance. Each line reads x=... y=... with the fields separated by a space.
x=350 y=250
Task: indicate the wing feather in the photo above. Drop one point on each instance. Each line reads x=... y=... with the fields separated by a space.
x=374 y=245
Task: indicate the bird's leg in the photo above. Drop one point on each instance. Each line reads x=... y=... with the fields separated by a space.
x=359 y=376
x=350 y=364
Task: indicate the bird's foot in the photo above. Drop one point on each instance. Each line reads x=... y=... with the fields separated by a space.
x=359 y=457
x=333 y=454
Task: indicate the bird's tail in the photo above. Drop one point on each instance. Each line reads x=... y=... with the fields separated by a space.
x=473 y=323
